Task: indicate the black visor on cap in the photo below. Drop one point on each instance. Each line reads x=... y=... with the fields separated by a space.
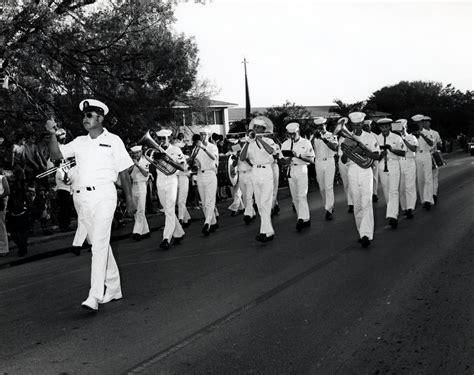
x=91 y=108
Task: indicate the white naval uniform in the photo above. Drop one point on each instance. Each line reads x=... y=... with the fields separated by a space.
x=361 y=188
x=390 y=180
x=139 y=197
x=167 y=187
x=246 y=187
x=276 y=174
x=98 y=163
x=325 y=166
x=424 y=165
x=298 y=175
x=237 y=202
x=437 y=140
x=81 y=231
x=375 y=169
x=207 y=182
x=183 y=190
x=262 y=182
x=408 y=176
x=343 y=174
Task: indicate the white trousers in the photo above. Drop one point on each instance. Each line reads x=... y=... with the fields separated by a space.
x=276 y=181
x=207 y=186
x=167 y=187
x=375 y=169
x=81 y=230
x=360 y=186
x=183 y=189
x=325 y=170
x=139 y=197
x=424 y=176
x=262 y=182
x=408 y=184
x=298 y=183
x=98 y=207
x=246 y=187
x=345 y=182
x=237 y=203
x=435 y=173
x=390 y=182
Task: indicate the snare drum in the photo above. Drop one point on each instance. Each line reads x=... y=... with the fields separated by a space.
x=227 y=174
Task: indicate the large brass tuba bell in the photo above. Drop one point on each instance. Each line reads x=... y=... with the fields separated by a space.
x=353 y=148
x=156 y=156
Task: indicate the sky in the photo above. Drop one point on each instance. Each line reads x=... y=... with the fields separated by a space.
x=311 y=52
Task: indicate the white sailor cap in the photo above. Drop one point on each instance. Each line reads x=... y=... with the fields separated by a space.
x=319 y=120
x=401 y=121
x=92 y=105
x=292 y=127
x=357 y=117
x=384 y=121
x=259 y=122
x=136 y=148
x=417 y=118
x=368 y=122
x=164 y=133
x=426 y=118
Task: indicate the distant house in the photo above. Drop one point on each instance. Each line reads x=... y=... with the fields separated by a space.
x=215 y=115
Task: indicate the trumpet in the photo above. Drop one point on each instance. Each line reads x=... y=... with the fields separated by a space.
x=63 y=167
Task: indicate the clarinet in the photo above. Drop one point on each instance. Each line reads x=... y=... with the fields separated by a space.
x=288 y=175
x=385 y=169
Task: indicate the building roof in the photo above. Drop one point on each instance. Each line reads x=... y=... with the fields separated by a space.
x=211 y=103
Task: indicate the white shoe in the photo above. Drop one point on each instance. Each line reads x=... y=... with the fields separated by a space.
x=110 y=297
x=90 y=303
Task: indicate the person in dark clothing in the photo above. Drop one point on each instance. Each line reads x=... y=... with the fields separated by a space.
x=17 y=215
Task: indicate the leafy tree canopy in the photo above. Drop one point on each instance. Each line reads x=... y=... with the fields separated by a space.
x=286 y=113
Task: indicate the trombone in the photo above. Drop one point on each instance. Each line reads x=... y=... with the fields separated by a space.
x=63 y=167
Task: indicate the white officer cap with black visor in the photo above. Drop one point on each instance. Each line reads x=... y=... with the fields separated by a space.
x=93 y=105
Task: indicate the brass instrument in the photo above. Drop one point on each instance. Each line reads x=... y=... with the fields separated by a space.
x=63 y=167
x=155 y=155
x=353 y=148
x=194 y=164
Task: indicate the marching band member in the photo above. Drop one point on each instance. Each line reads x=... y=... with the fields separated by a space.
x=407 y=169
x=424 y=165
x=360 y=180
x=276 y=177
x=259 y=150
x=343 y=170
x=100 y=157
x=301 y=155
x=393 y=149
x=244 y=167
x=237 y=202
x=437 y=142
x=139 y=174
x=367 y=126
x=183 y=189
x=167 y=187
x=207 y=155
x=325 y=148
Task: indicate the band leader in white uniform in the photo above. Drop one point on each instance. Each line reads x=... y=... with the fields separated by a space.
x=325 y=148
x=437 y=143
x=101 y=157
x=139 y=174
x=167 y=187
x=393 y=149
x=361 y=183
x=424 y=164
x=259 y=150
x=208 y=160
x=407 y=169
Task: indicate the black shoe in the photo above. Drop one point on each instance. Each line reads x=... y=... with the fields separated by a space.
x=136 y=237
x=375 y=198
x=427 y=206
x=234 y=213
x=328 y=215
x=263 y=237
x=435 y=199
x=409 y=213
x=146 y=235
x=213 y=227
x=205 y=230
x=176 y=240
x=76 y=250
x=248 y=219
x=365 y=242
x=393 y=222
x=307 y=223
x=351 y=209
x=299 y=224
x=405 y=213
x=164 y=245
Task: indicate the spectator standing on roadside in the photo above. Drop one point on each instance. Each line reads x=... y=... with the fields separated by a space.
x=4 y=193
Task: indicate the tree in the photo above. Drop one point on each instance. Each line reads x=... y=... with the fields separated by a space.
x=452 y=111
x=286 y=113
x=343 y=109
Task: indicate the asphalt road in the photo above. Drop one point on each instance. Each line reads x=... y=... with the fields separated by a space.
x=307 y=303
